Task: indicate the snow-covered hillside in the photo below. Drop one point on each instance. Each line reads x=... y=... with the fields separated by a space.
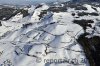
x=63 y=32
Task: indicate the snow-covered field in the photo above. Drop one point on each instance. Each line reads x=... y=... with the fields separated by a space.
x=46 y=35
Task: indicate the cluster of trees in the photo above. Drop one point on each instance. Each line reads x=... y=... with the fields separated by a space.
x=26 y=25
x=0 y=23
x=91 y=46
x=7 y=13
x=85 y=13
x=58 y=9
x=84 y=23
x=42 y=14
